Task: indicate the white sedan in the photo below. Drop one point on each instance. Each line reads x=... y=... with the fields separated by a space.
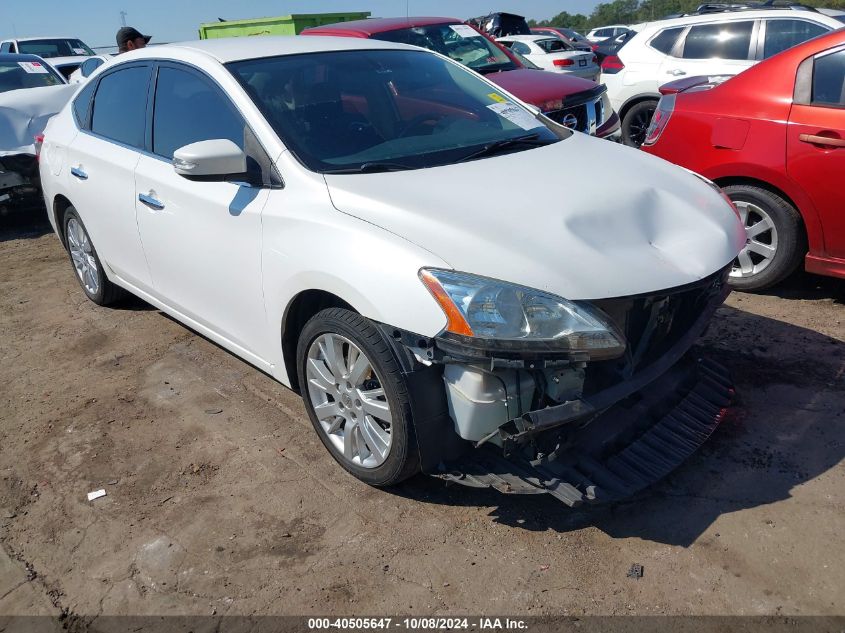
x=552 y=53
x=382 y=229
x=87 y=68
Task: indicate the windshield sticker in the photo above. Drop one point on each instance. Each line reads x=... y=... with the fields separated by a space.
x=80 y=51
x=515 y=115
x=497 y=97
x=463 y=30
x=34 y=67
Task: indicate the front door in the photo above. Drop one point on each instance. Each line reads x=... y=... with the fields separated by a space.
x=202 y=239
x=815 y=156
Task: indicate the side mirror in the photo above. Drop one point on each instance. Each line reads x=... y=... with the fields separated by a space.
x=218 y=159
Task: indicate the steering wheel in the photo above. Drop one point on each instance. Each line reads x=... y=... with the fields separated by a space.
x=417 y=122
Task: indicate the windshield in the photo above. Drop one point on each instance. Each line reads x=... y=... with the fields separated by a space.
x=54 y=48
x=384 y=109
x=459 y=41
x=16 y=75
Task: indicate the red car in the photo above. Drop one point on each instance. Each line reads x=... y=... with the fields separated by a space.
x=773 y=137
x=577 y=103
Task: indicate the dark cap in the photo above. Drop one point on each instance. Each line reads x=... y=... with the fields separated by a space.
x=128 y=33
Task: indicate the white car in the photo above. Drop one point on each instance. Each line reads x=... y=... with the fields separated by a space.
x=87 y=68
x=381 y=229
x=552 y=53
x=65 y=54
x=603 y=33
x=713 y=44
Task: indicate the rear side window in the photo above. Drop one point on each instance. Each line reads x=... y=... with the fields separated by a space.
x=829 y=80
x=519 y=47
x=188 y=109
x=725 y=40
x=5 y=47
x=120 y=106
x=665 y=40
x=82 y=106
x=783 y=34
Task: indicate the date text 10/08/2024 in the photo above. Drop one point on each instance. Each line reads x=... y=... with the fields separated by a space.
x=416 y=624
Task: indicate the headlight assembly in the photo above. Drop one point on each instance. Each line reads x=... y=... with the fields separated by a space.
x=494 y=314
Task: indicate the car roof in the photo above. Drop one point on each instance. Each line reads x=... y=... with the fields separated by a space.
x=739 y=15
x=371 y=26
x=42 y=37
x=231 y=49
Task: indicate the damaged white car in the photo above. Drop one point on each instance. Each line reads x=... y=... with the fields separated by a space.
x=30 y=93
x=383 y=230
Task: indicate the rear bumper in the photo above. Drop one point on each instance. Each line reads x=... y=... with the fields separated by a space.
x=623 y=450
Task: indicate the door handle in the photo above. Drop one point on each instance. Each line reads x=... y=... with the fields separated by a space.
x=677 y=72
x=821 y=140
x=76 y=171
x=151 y=202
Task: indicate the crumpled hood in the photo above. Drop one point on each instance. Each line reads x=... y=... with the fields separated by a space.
x=582 y=218
x=24 y=113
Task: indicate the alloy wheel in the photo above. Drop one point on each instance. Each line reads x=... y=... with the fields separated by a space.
x=349 y=401
x=761 y=240
x=639 y=125
x=82 y=254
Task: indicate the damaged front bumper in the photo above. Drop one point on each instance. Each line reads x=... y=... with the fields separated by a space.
x=623 y=450
x=631 y=422
x=20 y=189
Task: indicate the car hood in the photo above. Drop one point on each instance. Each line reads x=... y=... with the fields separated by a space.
x=25 y=112
x=548 y=91
x=582 y=218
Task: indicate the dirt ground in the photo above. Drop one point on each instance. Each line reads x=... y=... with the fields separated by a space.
x=221 y=499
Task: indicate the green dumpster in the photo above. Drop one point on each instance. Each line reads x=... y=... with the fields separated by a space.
x=280 y=25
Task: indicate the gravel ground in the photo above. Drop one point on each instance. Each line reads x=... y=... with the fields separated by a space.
x=242 y=511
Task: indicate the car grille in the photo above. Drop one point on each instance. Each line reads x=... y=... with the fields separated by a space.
x=583 y=111
x=655 y=323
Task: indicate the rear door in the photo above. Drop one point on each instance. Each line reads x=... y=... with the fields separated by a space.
x=202 y=239
x=715 y=48
x=102 y=160
x=816 y=142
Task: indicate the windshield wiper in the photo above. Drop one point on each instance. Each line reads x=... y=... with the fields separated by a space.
x=497 y=146
x=370 y=168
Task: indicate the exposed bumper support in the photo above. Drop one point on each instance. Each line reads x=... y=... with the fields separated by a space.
x=629 y=447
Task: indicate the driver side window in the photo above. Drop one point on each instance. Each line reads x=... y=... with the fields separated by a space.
x=188 y=109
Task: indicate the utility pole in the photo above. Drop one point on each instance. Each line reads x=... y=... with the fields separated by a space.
x=123 y=15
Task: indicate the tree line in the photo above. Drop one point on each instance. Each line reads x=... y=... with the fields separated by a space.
x=635 y=11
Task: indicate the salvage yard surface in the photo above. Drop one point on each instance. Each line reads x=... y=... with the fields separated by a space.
x=221 y=499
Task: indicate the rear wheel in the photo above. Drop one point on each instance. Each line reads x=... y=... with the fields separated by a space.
x=775 y=242
x=636 y=121
x=357 y=397
x=86 y=263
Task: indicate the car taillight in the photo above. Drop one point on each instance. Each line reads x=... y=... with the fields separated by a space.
x=611 y=65
x=563 y=62
x=39 y=141
x=660 y=119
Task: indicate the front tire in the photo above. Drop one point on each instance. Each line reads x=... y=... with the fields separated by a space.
x=776 y=243
x=636 y=121
x=356 y=397
x=86 y=263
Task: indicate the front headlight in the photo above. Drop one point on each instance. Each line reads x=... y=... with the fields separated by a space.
x=491 y=313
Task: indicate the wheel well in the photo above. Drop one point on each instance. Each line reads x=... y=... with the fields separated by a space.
x=627 y=106
x=304 y=306
x=60 y=206
x=762 y=184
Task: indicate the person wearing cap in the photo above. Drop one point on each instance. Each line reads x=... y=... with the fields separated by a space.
x=130 y=39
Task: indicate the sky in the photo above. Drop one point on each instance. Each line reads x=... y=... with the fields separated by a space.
x=96 y=21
